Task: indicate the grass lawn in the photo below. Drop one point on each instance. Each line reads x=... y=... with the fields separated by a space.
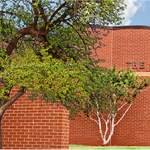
x=106 y=147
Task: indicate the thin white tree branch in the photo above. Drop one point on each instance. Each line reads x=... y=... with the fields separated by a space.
x=100 y=127
x=103 y=117
x=99 y=120
x=122 y=106
x=112 y=131
x=94 y=113
x=123 y=114
x=94 y=120
x=106 y=130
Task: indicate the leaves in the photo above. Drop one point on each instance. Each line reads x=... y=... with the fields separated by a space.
x=45 y=77
x=112 y=88
x=51 y=45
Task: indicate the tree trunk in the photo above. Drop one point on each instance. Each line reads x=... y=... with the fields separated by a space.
x=6 y=105
x=104 y=144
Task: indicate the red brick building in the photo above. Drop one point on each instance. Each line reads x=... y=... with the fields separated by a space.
x=125 y=46
x=35 y=125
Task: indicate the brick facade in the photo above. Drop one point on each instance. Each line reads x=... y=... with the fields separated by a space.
x=122 y=46
x=35 y=125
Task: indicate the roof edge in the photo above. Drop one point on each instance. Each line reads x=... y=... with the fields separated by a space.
x=124 y=27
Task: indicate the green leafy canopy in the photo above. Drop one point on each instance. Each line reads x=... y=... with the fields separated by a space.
x=53 y=78
x=111 y=89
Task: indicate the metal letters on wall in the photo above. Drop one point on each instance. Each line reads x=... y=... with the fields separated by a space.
x=135 y=65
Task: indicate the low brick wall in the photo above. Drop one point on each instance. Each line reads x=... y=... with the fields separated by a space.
x=30 y=125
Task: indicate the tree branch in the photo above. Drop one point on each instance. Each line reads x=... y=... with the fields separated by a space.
x=7 y=12
x=103 y=117
x=63 y=5
x=43 y=38
x=123 y=114
x=42 y=13
x=36 y=14
x=60 y=19
x=14 y=40
x=77 y=33
x=122 y=106
x=106 y=123
x=94 y=120
x=112 y=131
x=99 y=122
x=12 y=100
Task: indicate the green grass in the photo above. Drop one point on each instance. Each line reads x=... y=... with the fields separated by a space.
x=106 y=147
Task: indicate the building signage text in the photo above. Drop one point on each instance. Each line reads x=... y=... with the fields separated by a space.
x=136 y=65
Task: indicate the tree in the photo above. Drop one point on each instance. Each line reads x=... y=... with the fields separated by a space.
x=41 y=20
x=50 y=80
x=58 y=26
x=113 y=90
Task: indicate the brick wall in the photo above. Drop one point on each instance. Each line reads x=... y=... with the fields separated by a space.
x=30 y=125
x=122 y=46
